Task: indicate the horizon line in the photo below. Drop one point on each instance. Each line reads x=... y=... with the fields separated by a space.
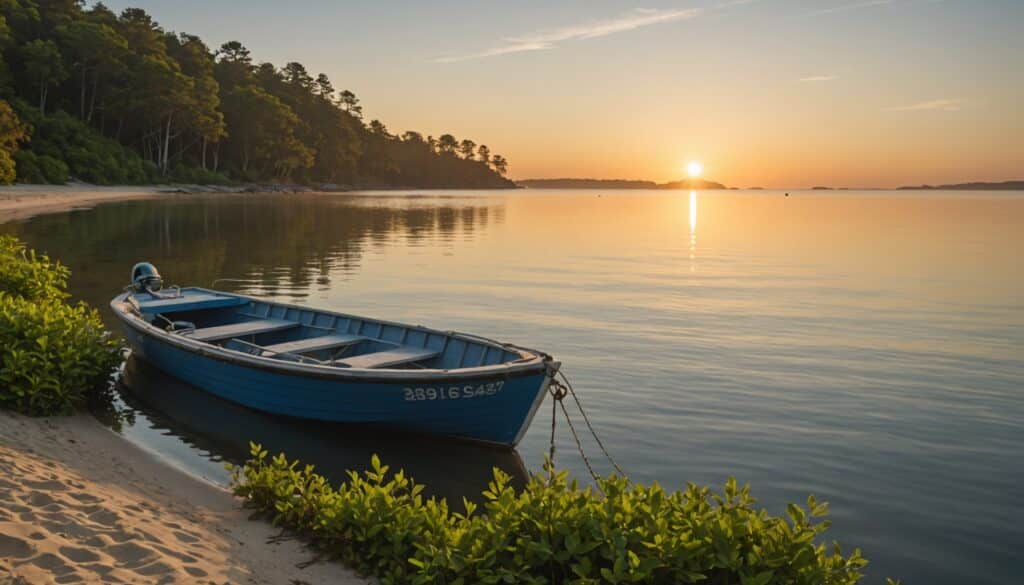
x=819 y=186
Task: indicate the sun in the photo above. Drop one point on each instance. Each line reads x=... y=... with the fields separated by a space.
x=694 y=169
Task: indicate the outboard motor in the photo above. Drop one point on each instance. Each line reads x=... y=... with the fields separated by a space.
x=145 y=278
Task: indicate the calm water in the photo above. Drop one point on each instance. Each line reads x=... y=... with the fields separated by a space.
x=864 y=347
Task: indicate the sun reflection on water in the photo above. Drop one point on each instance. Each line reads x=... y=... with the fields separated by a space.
x=693 y=227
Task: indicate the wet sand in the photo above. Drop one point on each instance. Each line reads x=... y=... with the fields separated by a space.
x=24 y=201
x=79 y=504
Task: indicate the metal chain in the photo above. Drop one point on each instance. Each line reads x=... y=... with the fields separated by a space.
x=558 y=391
x=579 y=446
x=586 y=419
x=557 y=394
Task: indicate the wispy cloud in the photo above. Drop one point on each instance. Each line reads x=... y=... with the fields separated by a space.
x=815 y=78
x=853 y=6
x=945 y=105
x=549 y=39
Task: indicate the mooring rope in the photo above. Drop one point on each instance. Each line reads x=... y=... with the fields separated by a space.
x=586 y=419
x=558 y=392
x=579 y=446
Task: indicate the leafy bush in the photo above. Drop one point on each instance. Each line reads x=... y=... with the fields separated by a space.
x=40 y=169
x=54 y=357
x=551 y=531
x=196 y=176
x=12 y=132
x=8 y=168
x=28 y=275
x=87 y=154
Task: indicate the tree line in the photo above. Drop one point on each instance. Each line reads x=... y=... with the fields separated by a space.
x=114 y=98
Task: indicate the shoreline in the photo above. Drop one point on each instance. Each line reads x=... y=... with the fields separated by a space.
x=79 y=503
x=22 y=201
x=19 y=202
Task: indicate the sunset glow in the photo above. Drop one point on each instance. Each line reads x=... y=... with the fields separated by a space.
x=783 y=103
x=773 y=240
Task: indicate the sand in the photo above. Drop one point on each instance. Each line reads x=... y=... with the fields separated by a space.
x=24 y=201
x=80 y=504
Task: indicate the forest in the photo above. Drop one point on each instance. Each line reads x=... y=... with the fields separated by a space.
x=105 y=98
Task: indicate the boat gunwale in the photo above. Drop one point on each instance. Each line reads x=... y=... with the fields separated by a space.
x=535 y=362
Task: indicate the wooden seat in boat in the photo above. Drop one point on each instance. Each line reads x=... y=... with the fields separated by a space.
x=391 y=357
x=312 y=344
x=242 y=329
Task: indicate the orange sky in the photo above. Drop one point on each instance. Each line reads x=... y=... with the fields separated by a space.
x=774 y=93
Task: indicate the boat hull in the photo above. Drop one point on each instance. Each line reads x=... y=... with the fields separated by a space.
x=491 y=408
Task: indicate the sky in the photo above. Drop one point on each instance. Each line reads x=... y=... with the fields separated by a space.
x=772 y=93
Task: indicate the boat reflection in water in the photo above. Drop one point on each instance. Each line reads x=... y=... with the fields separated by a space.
x=218 y=430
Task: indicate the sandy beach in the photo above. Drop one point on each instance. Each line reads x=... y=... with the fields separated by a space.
x=24 y=201
x=79 y=504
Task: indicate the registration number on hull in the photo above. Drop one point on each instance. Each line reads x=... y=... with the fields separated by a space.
x=453 y=392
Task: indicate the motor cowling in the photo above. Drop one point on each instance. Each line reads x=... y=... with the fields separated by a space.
x=145 y=277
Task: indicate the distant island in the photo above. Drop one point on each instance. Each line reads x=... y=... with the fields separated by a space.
x=976 y=186
x=706 y=185
x=616 y=184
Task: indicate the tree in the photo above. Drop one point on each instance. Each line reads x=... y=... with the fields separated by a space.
x=143 y=34
x=12 y=132
x=413 y=137
x=295 y=74
x=500 y=164
x=43 y=63
x=234 y=65
x=235 y=52
x=484 y=153
x=95 y=50
x=204 y=119
x=378 y=128
x=350 y=103
x=54 y=13
x=262 y=129
x=324 y=88
x=447 y=144
x=338 y=148
x=22 y=18
x=122 y=100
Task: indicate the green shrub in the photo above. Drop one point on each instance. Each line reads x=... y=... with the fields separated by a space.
x=84 y=152
x=54 y=357
x=551 y=531
x=27 y=166
x=40 y=169
x=28 y=275
x=196 y=176
x=13 y=131
x=8 y=168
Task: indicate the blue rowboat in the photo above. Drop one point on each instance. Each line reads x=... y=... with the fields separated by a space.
x=304 y=363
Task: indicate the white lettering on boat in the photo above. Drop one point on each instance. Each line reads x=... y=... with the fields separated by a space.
x=453 y=392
